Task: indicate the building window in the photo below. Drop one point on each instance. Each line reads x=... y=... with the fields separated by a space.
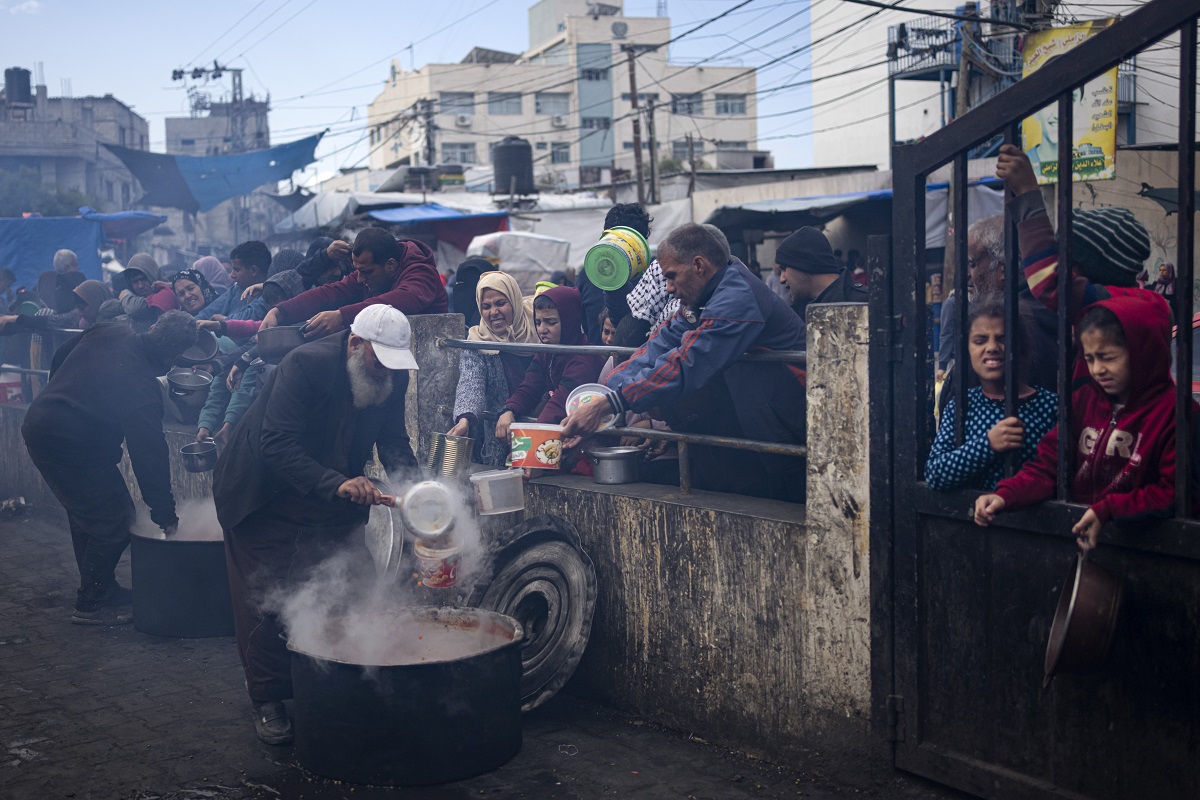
x=121 y=137
x=593 y=74
x=125 y=194
x=643 y=97
x=457 y=102
x=542 y=145
x=187 y=142
x=504 y=103
x=733 y=146
x=458 y=152
x=689 y=104
x=629 y=145
x=727 y=104
x=108 y=190
x=679 y=149
x=595 y=123
x=552 y=103
x=560 y=153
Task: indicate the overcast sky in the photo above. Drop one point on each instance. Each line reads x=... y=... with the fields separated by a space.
x=323 y=61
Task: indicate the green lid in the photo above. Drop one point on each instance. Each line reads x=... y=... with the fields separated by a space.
x=28 y=308
x=607 y=266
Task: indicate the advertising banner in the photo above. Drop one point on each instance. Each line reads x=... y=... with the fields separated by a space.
x=1093 y=134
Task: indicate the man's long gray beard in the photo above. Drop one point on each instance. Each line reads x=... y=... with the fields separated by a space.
x=366 y=389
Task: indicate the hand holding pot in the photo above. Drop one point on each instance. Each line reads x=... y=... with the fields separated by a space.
x=584 y=422
x=360 y=490
x=461 y=428
x=323 y=324
x=203 y=434
x=234 y=379
x=503 y=424
x=1087 y=530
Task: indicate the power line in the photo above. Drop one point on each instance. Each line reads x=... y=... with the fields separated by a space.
x=944 y=14
x=276 y=28
x=213 y=43
x=256 y=26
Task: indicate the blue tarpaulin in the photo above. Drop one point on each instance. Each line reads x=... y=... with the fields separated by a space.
x=27 y=245
x=200 y=183
x=430 y=212
x=124 y=224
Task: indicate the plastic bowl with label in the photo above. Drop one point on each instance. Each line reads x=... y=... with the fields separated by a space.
x=588 y=393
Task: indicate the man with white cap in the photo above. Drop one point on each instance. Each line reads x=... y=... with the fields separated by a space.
x=290 y=489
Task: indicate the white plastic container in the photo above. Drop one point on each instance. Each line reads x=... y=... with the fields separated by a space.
x=498 y=491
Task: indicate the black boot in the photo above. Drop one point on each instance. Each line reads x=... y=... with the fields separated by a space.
x=109 y=604
x=271 y=723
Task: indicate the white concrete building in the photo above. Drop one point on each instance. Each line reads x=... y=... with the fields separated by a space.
x=569 y=96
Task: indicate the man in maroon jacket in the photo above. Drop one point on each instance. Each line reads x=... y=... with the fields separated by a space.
x=402 y=274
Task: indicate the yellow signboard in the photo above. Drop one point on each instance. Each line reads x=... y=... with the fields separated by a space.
x=1094 y=113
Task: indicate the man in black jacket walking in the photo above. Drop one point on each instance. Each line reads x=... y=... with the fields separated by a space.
x=290 y=489
x=103 y=390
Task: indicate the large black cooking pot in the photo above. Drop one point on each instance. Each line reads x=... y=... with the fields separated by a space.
x=447 y=707
x=180 y=588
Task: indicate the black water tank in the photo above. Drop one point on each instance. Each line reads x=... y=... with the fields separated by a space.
x=17 y=90
x=512 y=163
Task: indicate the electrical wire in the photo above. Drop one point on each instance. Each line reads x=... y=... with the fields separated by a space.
x=228 y=30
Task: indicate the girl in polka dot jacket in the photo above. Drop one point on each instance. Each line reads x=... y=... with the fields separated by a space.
x=987 y=434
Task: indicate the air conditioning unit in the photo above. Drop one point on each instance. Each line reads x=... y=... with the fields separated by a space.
x=559 y=120
x=463 y=120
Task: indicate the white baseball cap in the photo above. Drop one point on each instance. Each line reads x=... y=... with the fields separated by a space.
x=389 y=333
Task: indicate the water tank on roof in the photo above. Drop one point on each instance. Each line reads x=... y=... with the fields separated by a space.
x=17 y=89
x=512 y=163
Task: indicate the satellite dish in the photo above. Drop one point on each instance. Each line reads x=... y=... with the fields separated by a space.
x=619 y=30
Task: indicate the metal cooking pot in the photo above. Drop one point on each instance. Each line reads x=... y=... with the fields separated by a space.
x=615 y=465
x=180 y=588
x=184 y=383
x=199 y=456
x=451 y=712
x=1084 y=620
x=204 y=350
x=275 y=343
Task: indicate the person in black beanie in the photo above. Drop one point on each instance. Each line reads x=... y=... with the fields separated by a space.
x=806 y=265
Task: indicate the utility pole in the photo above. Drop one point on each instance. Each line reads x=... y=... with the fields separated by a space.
x=637 y=125
x=430 y=136
x=691 y=143
x=653 y=151
x=962 y=99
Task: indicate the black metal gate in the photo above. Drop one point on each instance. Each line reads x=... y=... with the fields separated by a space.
x=962 y=613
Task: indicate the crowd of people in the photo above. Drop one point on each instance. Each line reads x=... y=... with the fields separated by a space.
x=1122 y=400
x=295 y=440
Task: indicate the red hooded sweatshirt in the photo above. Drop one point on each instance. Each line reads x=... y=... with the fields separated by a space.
x=1126 y=457
x=553 y=373
x=416 y=289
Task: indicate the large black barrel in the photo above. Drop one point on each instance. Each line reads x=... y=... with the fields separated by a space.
x=180 y=588
x=17 y=90
x=512 y=164
x=451 y=711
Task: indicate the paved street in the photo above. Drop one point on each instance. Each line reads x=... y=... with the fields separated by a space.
x=113 y=714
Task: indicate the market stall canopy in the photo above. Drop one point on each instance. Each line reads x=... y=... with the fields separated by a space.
x=28 y=244
x=528 y=257
x=984 y=197
x=449 y=225
x=123 y=224
x=200 y=183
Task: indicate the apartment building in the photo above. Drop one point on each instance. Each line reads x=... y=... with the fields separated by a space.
x=569 y=96
x=60 y=138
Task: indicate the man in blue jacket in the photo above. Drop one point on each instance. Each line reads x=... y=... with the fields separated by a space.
x=689 y=369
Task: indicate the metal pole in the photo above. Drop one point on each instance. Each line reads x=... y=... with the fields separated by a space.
x=1066 y=313
x=637 y=125
x=653 y=151
x=685 y=467
x=1185 y=252
x=692 y=164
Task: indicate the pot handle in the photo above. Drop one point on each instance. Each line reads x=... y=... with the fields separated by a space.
x=178 y=393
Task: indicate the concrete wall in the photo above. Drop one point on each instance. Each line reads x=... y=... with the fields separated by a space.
x=743 y=621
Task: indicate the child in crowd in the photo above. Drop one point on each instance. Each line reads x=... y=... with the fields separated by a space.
x=1123 y=420
x=987 y=434
x=608 y=331
x=557 y=316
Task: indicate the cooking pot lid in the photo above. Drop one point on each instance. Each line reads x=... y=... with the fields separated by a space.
x=615 y=452
x=380 y=535
x=545 y=581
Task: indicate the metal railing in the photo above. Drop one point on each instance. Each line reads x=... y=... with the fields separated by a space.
x=681 y=440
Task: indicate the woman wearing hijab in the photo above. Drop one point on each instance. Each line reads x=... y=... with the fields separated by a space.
x=85 y=298
x=192 y=290
x=487 y=378
x=214 y=272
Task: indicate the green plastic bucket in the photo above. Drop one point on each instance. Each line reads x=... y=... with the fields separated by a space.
x=621 y=253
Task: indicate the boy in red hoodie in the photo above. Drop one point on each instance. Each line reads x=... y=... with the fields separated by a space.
x=558 y=315
x=1123 y=403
